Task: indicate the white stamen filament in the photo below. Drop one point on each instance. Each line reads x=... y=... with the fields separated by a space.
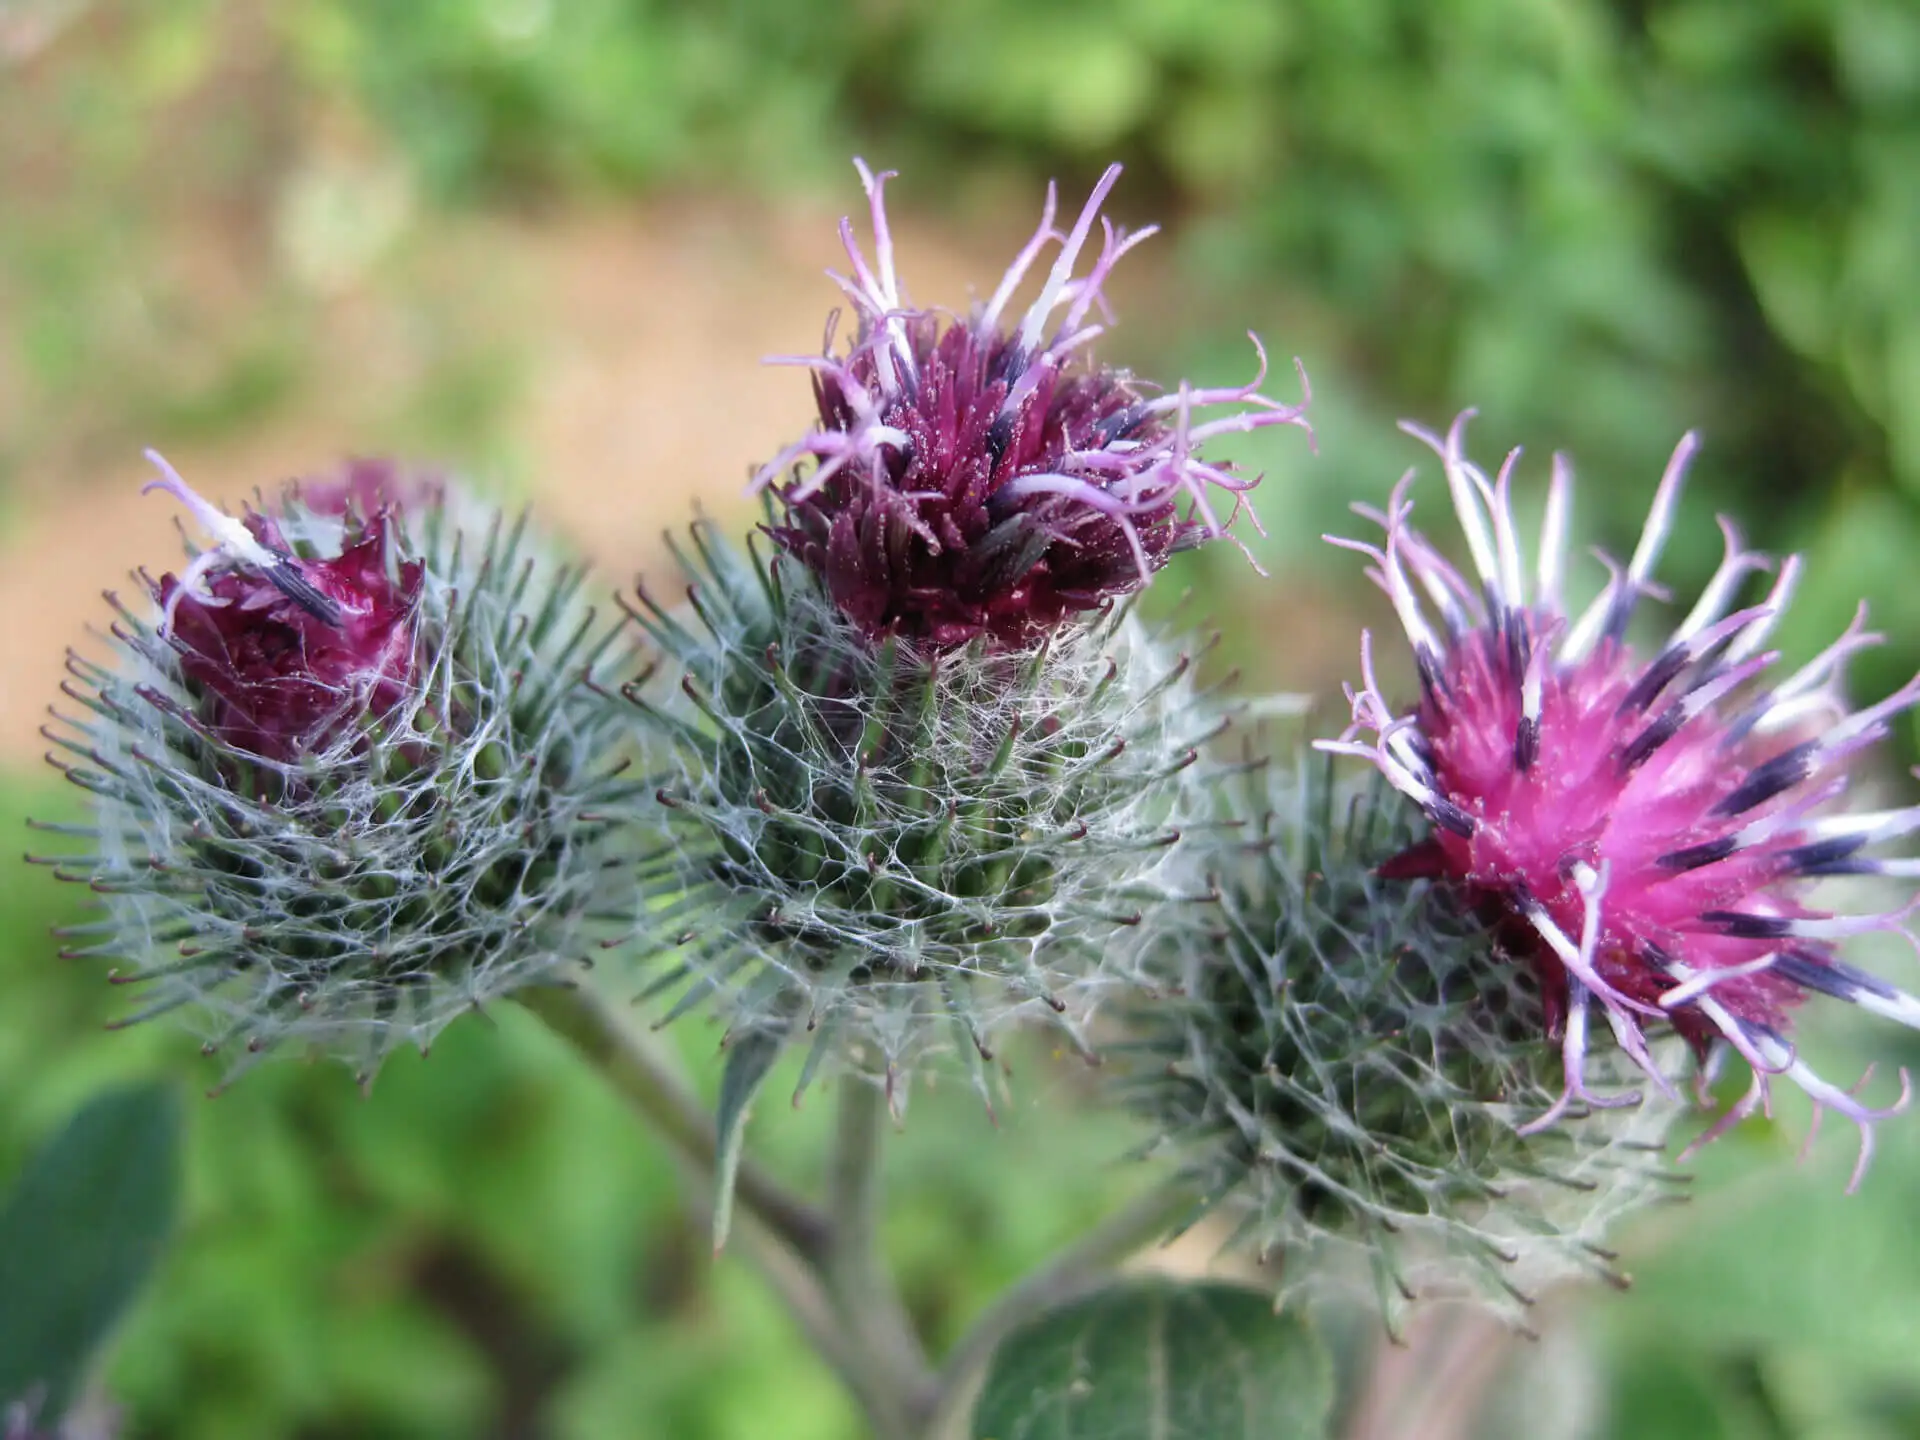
x=230 y=537
x=1049 y=297
x=1778 y=598
x=1666 y=499
x=1718 y=594
x=1506 y=539
x=1016 y=272
x=1587 y=629
x=1466 y=497
x=1553 y=534
x=1692 y=989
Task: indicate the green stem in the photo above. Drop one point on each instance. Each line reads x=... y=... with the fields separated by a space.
x=1071 y=1272
x=856 y=1274
x=799 y=1286
x=639 y=1067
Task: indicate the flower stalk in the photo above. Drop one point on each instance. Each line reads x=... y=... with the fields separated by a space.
x=856 y=1273
x=639 y=1068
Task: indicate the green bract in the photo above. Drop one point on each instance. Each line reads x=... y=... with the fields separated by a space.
x=893 y=848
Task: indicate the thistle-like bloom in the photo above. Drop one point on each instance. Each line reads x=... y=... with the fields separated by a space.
x=983 y=476
x=346 y=782
x=288 y=650
x=1641 y=830
x=1337 y=1059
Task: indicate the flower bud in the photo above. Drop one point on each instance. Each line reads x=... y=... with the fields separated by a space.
x=345 y=781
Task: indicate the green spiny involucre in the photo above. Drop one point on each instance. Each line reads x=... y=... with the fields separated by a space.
x=894 y=847
x=345 y=782
x=1340 y=1061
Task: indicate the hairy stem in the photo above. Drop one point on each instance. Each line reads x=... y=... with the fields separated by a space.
x=862 y=1287
x=1071 y=1272
x=638 y=1066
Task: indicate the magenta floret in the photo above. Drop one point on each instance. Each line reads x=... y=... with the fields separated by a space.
x=1644 y=832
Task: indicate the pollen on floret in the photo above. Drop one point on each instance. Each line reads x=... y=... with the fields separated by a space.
x=1644 y=830
x=983 y=475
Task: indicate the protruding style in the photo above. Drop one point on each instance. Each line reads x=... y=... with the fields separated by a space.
x=287 y=650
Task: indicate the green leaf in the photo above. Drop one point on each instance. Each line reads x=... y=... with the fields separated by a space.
x=80 y=1232
x=749 y=1059
x=1159 y=1360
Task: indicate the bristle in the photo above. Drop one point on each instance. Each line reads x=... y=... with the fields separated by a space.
x=1332 y=1056
x=890 y=830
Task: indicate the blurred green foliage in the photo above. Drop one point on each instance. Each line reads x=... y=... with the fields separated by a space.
x=79 y=1233
x=1153 y=1359
x=1602 y=223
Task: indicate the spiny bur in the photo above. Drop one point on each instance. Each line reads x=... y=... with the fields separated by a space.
x=887 y=847
x=345 y=784
x=1340 y=1061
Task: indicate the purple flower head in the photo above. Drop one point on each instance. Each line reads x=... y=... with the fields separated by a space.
x=982 y=476
x=289 y=653
x=1642 y=831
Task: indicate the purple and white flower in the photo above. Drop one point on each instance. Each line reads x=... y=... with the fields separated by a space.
x=983 y=475
x=1643 y=832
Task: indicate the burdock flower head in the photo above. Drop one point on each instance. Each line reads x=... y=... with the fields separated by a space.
x=915 y=770
x=1339 y=1059
x=287 y=650
x=986 y=476
x=1640 y=830
x=346 y=782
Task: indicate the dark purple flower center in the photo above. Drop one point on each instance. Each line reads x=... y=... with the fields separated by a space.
x=934 y=540
x=972 y=479
x=286 y=654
